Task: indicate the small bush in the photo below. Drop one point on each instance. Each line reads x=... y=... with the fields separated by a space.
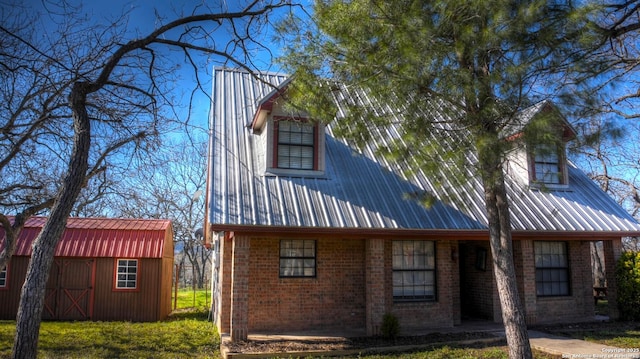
x=390 y=326
x=628 y=279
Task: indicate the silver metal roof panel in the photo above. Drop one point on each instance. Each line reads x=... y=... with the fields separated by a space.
x=362 y=190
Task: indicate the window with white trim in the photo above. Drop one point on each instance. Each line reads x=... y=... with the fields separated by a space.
x=552 y=268
x=297 y=258
x=296 y=146
x=127 y=274
x=414 y=270
x=3 y=277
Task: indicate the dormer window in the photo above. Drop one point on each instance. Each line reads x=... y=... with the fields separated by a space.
x=548 y=165
x=296 y=145
x=288 y=143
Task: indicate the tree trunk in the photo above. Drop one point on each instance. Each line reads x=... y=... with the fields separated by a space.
x=33 y=291
x=502 y=252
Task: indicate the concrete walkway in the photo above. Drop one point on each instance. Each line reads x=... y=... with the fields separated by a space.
x=575 y=348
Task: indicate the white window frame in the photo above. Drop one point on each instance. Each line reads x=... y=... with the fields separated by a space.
x=125 y=276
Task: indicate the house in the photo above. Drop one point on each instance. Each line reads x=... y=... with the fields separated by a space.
x=104 y=269
x=311 y=233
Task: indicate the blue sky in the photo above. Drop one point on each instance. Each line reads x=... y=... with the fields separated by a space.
x=146 y=15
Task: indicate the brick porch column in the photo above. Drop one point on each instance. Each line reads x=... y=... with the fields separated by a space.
x=612 y=252
x=526 y=272
x=223 y=316
x=375 y=291
x=240 y=289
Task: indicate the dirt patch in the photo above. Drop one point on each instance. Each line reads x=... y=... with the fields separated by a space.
x=336 y=344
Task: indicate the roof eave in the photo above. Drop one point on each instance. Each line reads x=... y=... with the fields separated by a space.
x=395 y=233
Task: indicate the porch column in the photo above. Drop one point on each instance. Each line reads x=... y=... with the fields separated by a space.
x=240 y=289
x=524 y=258
x=375 y=291
x=612 y=252
x=223 y=315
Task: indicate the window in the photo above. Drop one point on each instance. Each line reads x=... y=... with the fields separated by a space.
x=297 y=258
x=552 y=268
x=548 y=165
x=3 y=277
x=296 y=145
x=127 y=274
x=414 y=271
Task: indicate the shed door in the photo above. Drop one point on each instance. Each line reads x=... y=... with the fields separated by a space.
x=69 y=294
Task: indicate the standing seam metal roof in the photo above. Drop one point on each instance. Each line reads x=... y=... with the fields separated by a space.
x=100 y=237
x=362 y=190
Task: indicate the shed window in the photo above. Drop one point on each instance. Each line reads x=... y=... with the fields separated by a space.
x=297 y=258
x=296 y=145
x=127 y=274
x=552 y=268
x=414 y=271
x=3 y=277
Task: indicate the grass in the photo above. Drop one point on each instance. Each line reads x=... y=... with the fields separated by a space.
x=183 y=338
x=188 y=334
x=457 y=353
x=189 y=298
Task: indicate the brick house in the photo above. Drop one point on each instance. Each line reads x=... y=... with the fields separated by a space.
x=311 y=233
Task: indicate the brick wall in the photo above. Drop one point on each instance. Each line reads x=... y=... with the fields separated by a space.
x=334 y=299
x=414 y=316
x=353 y=287
x=579 y=305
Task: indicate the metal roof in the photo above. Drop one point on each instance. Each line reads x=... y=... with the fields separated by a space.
x=101 y=237
x=362 y=190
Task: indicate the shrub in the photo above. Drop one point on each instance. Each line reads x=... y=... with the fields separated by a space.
x=628 y=279
x=390 y=326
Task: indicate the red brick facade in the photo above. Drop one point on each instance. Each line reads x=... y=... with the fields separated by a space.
x=352 y=289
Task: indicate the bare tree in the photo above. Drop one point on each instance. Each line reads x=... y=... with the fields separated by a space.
x=84 y=95
x=171 y=185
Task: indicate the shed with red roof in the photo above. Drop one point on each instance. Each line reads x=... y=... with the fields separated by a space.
x=104 y=269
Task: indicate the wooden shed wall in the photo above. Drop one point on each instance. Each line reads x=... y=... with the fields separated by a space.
x=10 y=296
x=151 y=302
x=135 y=305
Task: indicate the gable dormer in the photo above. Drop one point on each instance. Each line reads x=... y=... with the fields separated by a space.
x=539 y=155
x=288 y=143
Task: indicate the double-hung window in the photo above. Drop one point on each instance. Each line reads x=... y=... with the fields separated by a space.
x=548 y=165
x=127 y=274
x=552 y=268
x=297 y=258
x=296 y=145
x=414 y=270
x=3 y=277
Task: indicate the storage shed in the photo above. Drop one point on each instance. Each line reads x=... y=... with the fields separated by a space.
x=104 y=269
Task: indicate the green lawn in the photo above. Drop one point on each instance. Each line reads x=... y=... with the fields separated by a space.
x=176 y=338
x=458 y=353
x=189 y=298
x=188 y=334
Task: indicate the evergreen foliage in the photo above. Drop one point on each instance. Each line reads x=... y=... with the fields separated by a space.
x=390 y=328
x=628 y=280
x=457 y=69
